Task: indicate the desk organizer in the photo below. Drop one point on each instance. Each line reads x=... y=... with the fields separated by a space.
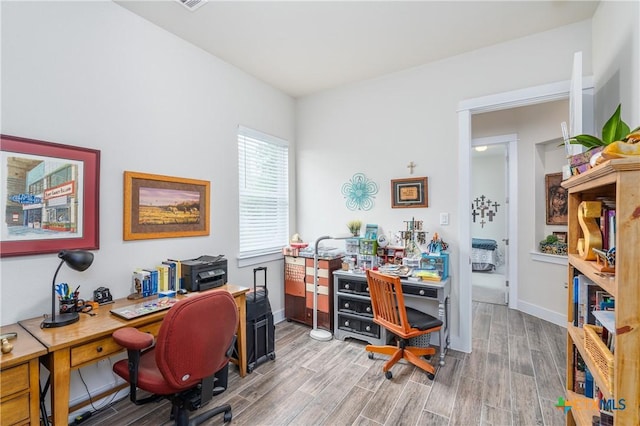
x=438 y=262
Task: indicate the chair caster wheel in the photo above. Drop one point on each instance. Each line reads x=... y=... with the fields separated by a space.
x=249 y=369
x=370 y=355
x=431 y=376
x=272 y=357
x=227 y=416
x=388 y=375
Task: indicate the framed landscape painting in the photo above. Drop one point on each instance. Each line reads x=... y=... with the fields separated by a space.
x=157 y=206
x=50 y=197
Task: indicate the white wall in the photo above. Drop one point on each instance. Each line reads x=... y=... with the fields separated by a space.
x=93 y=74
x=616 y=61
x=378 y=126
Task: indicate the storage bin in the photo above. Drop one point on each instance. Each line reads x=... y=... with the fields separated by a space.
x=599 y=354
x=439 y=263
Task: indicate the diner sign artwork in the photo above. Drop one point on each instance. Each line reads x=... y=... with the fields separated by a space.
x=37 y=212
x=59 y=191
x=51 y=200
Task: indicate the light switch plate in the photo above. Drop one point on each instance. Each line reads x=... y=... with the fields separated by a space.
x=444 y=218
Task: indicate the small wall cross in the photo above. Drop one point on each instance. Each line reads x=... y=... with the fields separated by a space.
x=411 y=166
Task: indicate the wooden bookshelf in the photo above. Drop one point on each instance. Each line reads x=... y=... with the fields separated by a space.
x=618 y=180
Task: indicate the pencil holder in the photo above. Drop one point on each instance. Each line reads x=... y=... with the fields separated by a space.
x=68 y=305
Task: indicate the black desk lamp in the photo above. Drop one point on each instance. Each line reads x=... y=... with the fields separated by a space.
x=78 y=260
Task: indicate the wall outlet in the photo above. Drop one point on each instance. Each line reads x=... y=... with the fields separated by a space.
x=444 y=218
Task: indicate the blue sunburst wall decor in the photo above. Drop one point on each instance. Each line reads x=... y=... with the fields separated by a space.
x=359 y=192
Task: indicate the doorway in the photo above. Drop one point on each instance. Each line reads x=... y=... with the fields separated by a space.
x=467 y=108
x=489 y=220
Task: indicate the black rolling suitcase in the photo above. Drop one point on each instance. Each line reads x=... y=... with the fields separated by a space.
x=260 y=326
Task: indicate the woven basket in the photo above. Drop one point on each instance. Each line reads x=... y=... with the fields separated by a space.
x=599 y=354
x=420 y=341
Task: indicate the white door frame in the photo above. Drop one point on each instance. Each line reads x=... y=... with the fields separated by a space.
x=466 y=108
x=511 y=143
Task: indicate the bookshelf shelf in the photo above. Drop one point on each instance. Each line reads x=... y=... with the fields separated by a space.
x=605 y=281
x=583 y=415
x=615 y=180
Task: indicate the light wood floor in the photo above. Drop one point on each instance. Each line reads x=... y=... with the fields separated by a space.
x=512 y=377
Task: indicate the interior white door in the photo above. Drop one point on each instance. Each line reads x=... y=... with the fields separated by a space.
x=505 y=240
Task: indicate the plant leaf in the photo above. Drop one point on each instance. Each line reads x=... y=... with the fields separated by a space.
x=588 y=141
x=621 y=132
x=614 y=129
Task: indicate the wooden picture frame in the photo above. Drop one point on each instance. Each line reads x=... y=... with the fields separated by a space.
x=50 y=197
x=556 y=199
x=157 y=206
x=409 y=192
x=561 y=236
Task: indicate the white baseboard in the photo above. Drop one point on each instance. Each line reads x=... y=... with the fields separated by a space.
x=556 y=318
x=278 y=316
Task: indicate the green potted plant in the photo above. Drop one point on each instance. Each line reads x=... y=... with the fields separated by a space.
x=354 y=227
x=551 y=245
x=617 y=140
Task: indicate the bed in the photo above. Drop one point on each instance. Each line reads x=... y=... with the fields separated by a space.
x=484 y=255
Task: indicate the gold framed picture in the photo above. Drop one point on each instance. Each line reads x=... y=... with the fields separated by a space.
x=157 y=206
x=409 y=192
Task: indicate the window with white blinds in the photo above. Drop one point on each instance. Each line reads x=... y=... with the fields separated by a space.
x=263 y=168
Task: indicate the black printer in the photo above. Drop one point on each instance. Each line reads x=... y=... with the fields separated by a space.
x=204 y=273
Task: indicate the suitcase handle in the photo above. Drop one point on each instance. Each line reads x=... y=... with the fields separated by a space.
x=255 y=286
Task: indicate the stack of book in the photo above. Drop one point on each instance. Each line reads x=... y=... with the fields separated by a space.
x=580 y=163
x=608 y=223
x=145 y=282
x=588 y=297
x=165 y=277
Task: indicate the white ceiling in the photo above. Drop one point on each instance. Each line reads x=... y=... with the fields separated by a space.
x=303 y=47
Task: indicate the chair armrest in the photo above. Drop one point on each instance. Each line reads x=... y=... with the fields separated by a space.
x=132 y=338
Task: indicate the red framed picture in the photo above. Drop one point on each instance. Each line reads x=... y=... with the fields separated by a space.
x=52 y=197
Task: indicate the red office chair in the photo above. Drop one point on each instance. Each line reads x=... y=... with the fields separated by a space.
x=189 y=362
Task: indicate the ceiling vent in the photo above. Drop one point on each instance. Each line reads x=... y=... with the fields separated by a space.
x=192 y=4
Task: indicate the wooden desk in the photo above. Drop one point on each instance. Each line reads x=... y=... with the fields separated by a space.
x=89 y=340
x=20 y=379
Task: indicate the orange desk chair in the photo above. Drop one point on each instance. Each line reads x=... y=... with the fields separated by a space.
x=405 y=323
x=189 y=362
